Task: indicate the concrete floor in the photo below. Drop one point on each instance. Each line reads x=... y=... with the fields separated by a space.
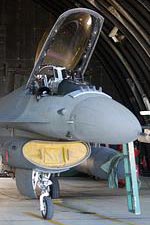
x=83 y=202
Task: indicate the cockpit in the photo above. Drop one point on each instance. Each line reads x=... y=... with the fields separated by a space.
x=66 y=52
x=47 y=80
x=51 y=79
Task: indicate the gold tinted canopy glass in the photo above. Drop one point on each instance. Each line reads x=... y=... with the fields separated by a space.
x=70 y=41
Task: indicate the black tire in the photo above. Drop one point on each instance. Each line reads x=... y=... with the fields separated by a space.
x=24 y=182
x=48 y=211
x=54 y=188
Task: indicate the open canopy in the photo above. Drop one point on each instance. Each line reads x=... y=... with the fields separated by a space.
x=70 y=42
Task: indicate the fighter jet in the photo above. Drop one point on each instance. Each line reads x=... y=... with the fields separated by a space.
x=47 y=125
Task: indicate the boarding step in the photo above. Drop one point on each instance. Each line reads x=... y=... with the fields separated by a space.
x=131 y=179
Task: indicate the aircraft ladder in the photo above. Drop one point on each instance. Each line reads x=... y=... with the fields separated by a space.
x=131 y=179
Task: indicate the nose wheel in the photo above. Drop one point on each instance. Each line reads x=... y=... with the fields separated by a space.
x=47 y=208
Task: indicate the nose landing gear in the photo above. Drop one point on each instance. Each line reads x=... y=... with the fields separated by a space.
x=46 y=186
x=46 y=204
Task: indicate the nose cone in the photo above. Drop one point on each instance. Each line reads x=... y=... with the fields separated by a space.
x=103 y=120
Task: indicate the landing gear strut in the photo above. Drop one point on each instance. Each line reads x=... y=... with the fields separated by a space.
x=46 y=187
x=46 y=204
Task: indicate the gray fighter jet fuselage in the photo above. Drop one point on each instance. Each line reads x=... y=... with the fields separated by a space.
x=57 y=109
